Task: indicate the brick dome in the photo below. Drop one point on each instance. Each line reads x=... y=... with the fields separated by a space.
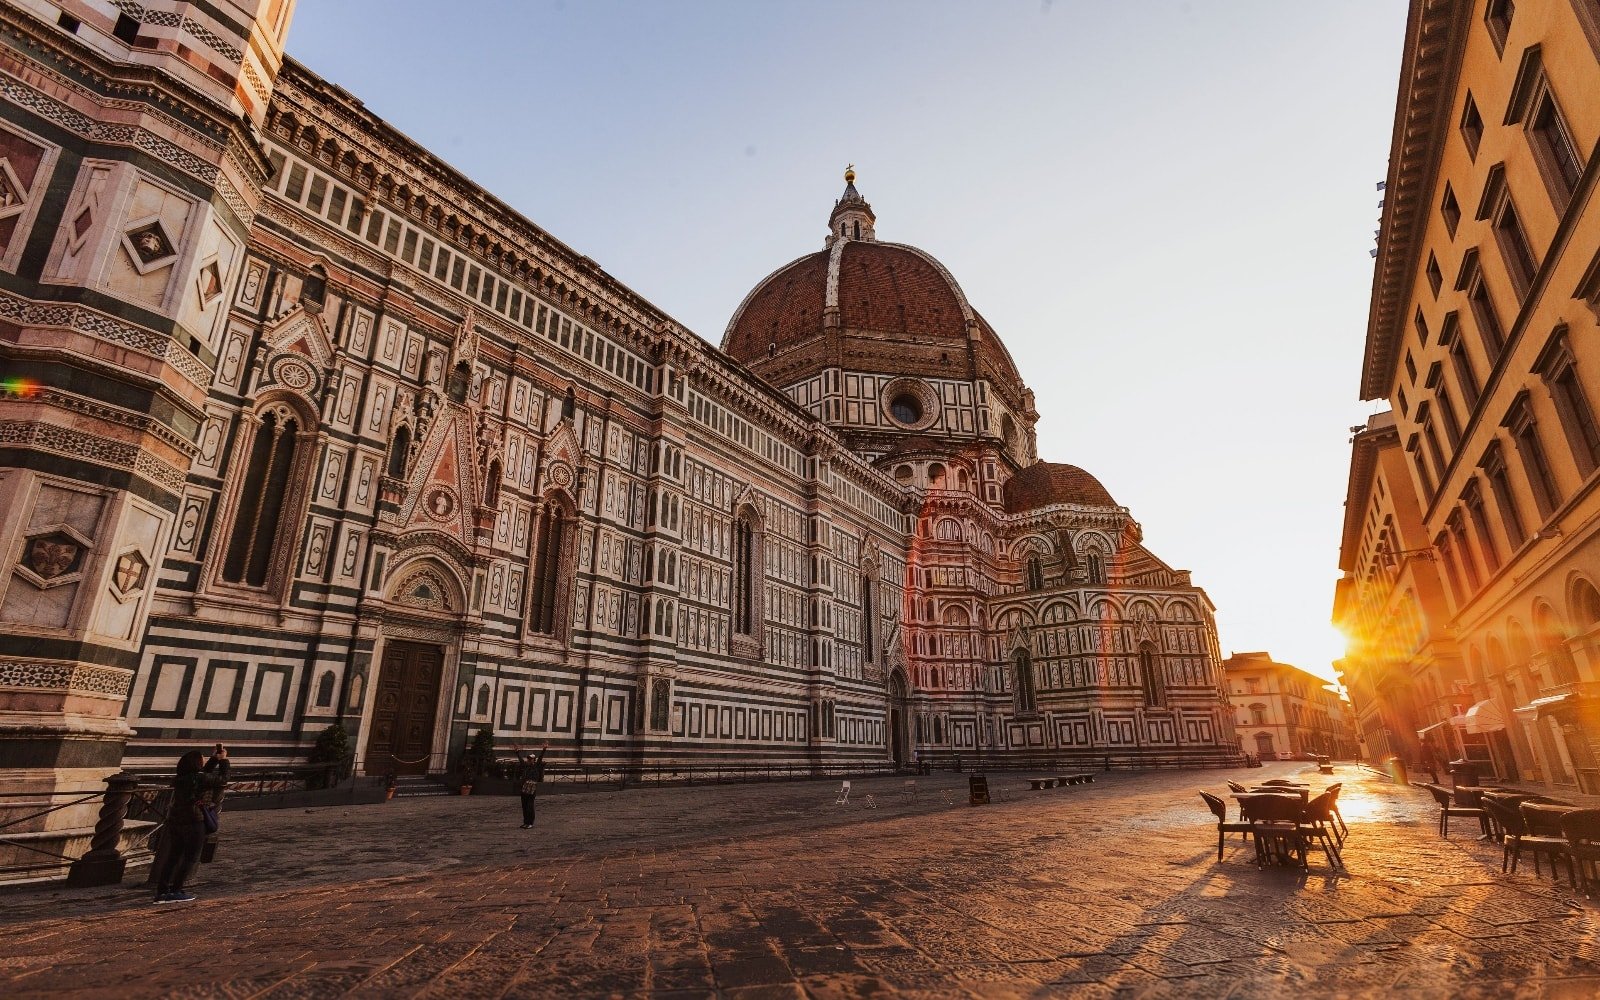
x=1044 y=483
x=866 y=306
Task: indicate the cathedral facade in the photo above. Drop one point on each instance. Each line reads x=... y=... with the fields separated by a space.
x=300 y=426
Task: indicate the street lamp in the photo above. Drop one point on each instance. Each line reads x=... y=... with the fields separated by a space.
x=1392 y=559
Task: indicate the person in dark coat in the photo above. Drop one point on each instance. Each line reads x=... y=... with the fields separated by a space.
x=184 y=830
x=217 y=766
x=529 y=776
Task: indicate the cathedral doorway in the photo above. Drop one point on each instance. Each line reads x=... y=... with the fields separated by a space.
x=404 y=709
x=899 y=749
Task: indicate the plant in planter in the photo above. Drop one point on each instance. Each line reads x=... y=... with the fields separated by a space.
x=477 y=758
x=331 y=750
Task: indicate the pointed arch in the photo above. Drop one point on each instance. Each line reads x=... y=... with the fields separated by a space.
x=749 y=574
x=399 y=452
x=1024 y=693
x=428 y=580
x=268 y=491
x=555 y=545
x=491 y=485
x=459 y=382
x=1152 y=676
x=314 y=290
x=871 y=651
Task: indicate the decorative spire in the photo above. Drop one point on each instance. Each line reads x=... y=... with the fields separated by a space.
x=852 y=217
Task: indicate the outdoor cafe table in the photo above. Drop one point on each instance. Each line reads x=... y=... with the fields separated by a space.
x=1304 y=791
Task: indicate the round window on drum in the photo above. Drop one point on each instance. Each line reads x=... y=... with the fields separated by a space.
x=906 y=408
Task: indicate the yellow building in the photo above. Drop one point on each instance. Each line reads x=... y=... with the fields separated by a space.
x=1472 y=601
x=1285 y=712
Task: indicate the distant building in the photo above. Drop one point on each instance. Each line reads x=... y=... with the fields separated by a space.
x=1283 y=711
x=1404 y=679
x=1471 y=565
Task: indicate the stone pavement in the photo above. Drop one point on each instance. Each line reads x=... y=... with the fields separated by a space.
x=773 y=891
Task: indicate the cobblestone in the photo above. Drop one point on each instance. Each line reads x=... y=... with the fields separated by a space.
x=1110 y=889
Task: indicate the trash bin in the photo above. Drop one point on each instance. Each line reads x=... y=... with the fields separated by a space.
x=1464 y=772
x=1397 y=770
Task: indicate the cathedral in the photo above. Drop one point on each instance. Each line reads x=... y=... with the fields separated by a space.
x=299 y=427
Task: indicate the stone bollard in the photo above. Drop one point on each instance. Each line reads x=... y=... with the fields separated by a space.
x=104 y=864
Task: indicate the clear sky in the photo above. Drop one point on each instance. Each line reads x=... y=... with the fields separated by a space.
x=1164 y=208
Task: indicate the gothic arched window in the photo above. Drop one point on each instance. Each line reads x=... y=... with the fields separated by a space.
x=549 y=536
x=1097 y=567
x=459 y=382
x=660 y=703
x=399 y=450
x=1155 y=688
x=325 y=690
x=491 y=487
x=1035 y=574
x=868 y=614
x=1022 y=668
x=262 y=499
x=745 y=575
x=314 y=290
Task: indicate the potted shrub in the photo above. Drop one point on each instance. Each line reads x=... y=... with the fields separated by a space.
x=330 y=750
x=477 y=759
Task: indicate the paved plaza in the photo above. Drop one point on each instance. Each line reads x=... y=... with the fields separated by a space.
x=774 y=891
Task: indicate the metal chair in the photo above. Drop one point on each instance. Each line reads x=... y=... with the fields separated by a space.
x=1344 y=828
x=1219 y=809
x=1543 y=827
x=1514 y=837
x=1316 y=820
x=1275 y=821
x=1448 y=808
x=1581 y=827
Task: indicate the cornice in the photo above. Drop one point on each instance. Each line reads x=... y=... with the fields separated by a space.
x=1364 y=447
x=396 y=169
x=1435 y=40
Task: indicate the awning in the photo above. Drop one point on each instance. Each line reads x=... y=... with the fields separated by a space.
x=1485 y=717
x=1540 y=708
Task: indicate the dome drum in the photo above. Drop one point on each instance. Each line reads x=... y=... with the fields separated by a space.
x=910 y=404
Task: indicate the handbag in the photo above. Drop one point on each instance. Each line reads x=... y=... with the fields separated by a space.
x=528 y=787
x=207 y=814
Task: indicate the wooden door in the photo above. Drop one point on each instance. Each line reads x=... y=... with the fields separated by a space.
x=403 y=716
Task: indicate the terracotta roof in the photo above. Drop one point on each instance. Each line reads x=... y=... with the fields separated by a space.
x=889 y=289
x=900 y=312
x=1044 y=483
x=784 y=309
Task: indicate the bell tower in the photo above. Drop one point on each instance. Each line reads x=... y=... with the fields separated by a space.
x=132 y=173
